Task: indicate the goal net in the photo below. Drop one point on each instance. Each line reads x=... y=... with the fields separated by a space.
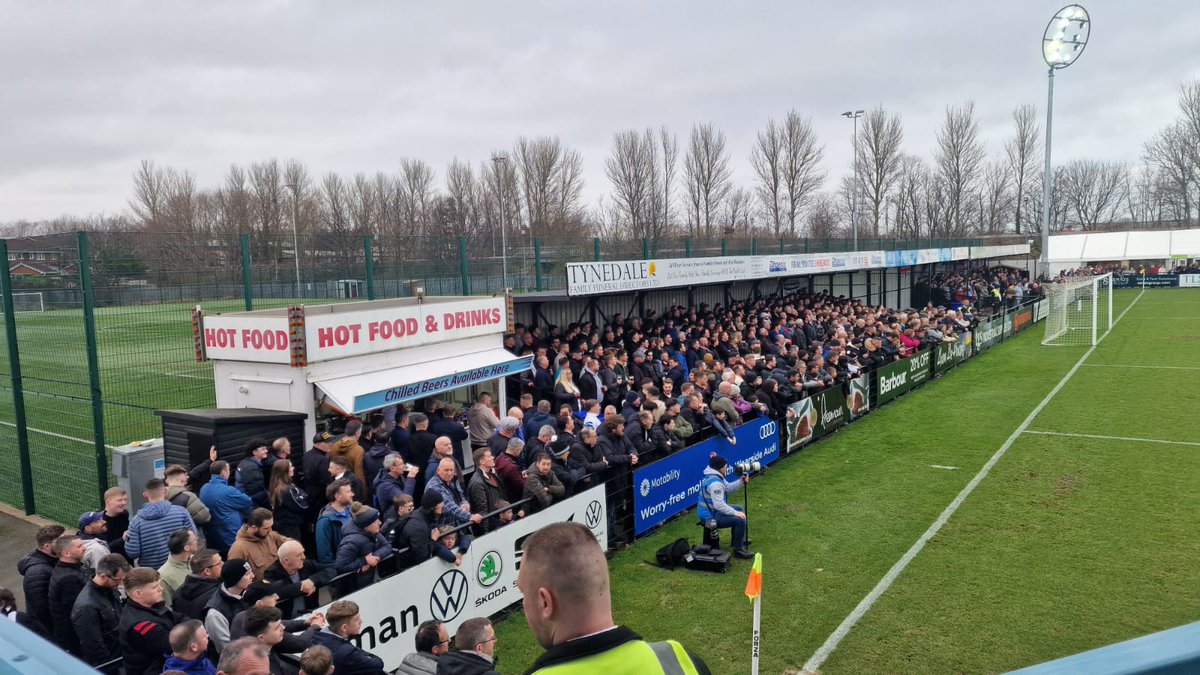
x=29 y=301
x=1080 y=310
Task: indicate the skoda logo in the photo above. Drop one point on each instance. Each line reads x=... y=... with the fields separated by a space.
x=490 y=567
x=644 y=488
x=449 y=596
x=767 y=430
x=593 y=514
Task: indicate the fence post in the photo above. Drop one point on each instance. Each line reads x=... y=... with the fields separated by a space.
x=753 y=245
x=537 y=263
x=369 y=257
x=687 y=247
x=18 y=393
x=462 y=265
x=781 y=246
x=93 y=362
x=247 y=280
x=724 y=247
x=806 y=244
x=596 y=249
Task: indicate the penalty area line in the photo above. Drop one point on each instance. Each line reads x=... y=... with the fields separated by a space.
x=831 y=643
x=1112 y=438
x=56 y=435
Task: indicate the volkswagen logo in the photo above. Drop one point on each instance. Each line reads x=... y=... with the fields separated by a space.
x=645 y=487
x=449 y=596
x=489 y=569
x=768 y=430
x=593 y=514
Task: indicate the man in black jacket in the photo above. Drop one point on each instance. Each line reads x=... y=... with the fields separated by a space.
x=192 y=597
x=250 y=472
x=297 y=580
x=146 y=624
x=97 y=614
x=67 y=582
x=474 y=650
x=36 y=568
x=348 y=659
x=413 y=537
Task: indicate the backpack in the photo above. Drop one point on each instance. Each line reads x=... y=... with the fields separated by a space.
x=672 y=555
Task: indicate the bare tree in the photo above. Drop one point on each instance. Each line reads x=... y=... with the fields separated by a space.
x=959 y=161
x=1023 y=156
x=910 y=196
x=997 y=201
x=415 y=196
x=736 y=218
x=880 y=138
x=1093 y=191
x=669 y=160
x=707 y=177
x=149 y=196
x=632 y=169
x=234 y=201
x=802 y=173
x=462 y=189
x=767 y=159
x=335 y=206
x=1172 y=154
x=551 y=180
x=364 y=205
x=824 y=218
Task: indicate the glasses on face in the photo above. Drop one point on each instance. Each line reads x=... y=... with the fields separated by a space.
x=216 y=564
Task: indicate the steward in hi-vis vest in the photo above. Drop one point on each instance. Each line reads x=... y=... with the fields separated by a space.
x=564 y=580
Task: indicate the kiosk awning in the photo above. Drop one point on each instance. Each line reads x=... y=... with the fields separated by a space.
x=372 y=390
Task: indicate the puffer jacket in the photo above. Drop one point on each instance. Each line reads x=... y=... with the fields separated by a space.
x=192 y=597
x=96 y=617
x=150 y=529
x=353 y=550
x=464 y=663
x=181 y=496
x=228 y=505
x=348 y=447
x=67 y=582
x=143 y=632
x=251 y=481
x=348 y=659
x=36 y=568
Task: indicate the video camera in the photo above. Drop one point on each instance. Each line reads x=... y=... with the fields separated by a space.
x=747 y=468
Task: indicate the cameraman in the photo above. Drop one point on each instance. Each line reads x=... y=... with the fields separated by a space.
x=713 y=508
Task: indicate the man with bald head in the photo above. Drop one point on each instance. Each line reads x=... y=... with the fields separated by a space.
x=564 y=581
x=447 y=483
x=297 y=579
x=443 y=447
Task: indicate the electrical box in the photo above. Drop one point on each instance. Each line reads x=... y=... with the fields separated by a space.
x=135 y=464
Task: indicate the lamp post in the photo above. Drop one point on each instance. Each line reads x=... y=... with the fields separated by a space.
x=295 y=232
x=499 y=159
x=1065 y=37
x=854 y=115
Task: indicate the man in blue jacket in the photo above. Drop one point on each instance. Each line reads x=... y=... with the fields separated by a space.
x=153 y=525
x=227 y=505
x=250 y=479
x=342 y=623
x=362 y=547
x=713 y=507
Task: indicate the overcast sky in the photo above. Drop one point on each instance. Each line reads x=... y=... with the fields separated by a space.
x=88 y=89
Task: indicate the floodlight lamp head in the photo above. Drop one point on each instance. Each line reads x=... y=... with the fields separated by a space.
x=1066 y=36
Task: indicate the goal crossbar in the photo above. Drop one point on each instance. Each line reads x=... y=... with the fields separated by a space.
x=1080 y=310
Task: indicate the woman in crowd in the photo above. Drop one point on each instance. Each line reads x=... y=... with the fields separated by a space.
x=288 y=502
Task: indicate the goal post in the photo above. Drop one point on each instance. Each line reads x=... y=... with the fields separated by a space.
x=27 y=301
x=1080 y=310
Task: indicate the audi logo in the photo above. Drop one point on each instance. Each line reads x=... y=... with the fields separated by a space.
x=768 y=430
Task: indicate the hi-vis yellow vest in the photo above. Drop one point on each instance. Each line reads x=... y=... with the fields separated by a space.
x=636 y=657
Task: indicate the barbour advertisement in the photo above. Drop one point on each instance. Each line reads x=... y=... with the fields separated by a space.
x=898 y=378
x=857 y=400
x=988 y=334
x=816 y=416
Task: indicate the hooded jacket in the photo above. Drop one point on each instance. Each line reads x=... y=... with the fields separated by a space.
x=227 y=505
x=181 y=496
x=259 y=551
x=545 y=489
x=353 y=550
x=191 y=598
x=713 y=490
x=373 y=460
x=413 y=538
x=150 y=529
x=348 y=447
x=36 y=568
x=251 y=481
x=200 y=666
x=464 y=663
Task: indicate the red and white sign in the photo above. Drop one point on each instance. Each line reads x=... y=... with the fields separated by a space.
x=336 y=336
x=236 y=338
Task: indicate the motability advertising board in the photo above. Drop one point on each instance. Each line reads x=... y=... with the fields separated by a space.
x=672 y=484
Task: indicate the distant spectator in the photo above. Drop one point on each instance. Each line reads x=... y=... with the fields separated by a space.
x=474 y=650
x=192 y=597
x=227 y=504
x=226 y=602
x=316 y=470
x=189 y=649
x=246 y=656
x=394 y=479
x=508 y=468
x=481 y=420
x=447 y=483
x=66 y=583
x=288 y=502
x=153 y=524
x=316 y=660
x=281 y=448
x=178 y=494
x=348 y=447
x=380 y=446
x=145 y=623
x=362 y=547
x=36 y=568
x=348 y=659
x=251 y=479
x=257 y=541
x=297 y=580
x=91 y=533
x=485 y=489
x=333 y=517
x=116 y=499
x=507 y=429
x=339 y=469
x=415 y=538
x=421 y=444
x=182 y=545
x=431 y=641
x=9 y=612
x=96 y=614
x=542 y=484
x=443 y=448
x=568 y=473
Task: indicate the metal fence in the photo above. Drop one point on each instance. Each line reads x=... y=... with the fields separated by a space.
x=97 y=326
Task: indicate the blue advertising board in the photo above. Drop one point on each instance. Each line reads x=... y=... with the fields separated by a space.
x=672 y=484
x=906 y=258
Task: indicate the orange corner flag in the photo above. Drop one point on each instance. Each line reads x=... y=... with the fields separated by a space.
x=754 y=583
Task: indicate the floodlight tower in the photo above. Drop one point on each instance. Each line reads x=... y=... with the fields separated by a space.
x=854 y=115
x=1063 y=42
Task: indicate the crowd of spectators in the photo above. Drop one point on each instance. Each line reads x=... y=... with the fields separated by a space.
x=228 y=550
x=1135 y=268
x=982 y=290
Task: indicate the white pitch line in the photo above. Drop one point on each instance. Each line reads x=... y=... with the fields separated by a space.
x=940 y=466
x=194 y=377
x=1112 y=438
x=831 y=643
x=56 y=435
x=1109 y=365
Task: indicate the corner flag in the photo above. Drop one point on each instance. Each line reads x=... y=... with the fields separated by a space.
x=754 y=583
